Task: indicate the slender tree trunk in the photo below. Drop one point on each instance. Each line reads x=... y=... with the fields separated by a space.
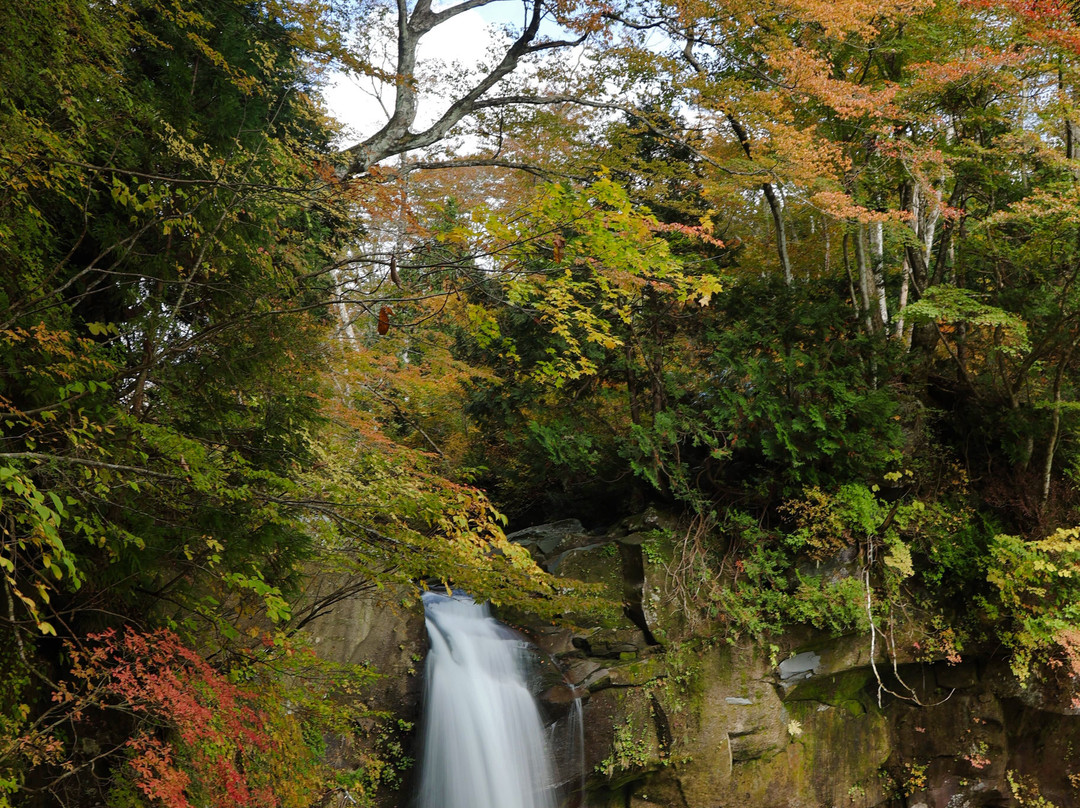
x=777 y=210
x=1051 y=447
x=850 y=277
x=909 y=200
x=1055 y=422
x=346 y=330
x=867 y=288
x=925 y=213
x=631 y=384
x=656 y=368
x=1068 y=125
x=775 y=204
x=905 y=285
x=918 y=259
x=828 y=245
x=1013 y=391
x=137 y=396
x=961 y=349
x=877 y=246
x=867 y=297
x=945 y=252
x=931 y=214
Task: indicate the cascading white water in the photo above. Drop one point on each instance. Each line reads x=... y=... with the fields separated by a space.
x=484 y=739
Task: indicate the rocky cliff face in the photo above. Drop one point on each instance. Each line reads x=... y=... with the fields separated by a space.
x=383 y=630
x=679 y=718
x=675 y=716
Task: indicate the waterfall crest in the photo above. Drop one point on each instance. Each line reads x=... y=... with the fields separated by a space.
x=484 y=743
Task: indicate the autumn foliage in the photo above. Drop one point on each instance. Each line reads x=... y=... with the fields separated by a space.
x=804 y=273
x=193 y=736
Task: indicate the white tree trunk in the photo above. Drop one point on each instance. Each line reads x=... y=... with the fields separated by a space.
x=877 y=248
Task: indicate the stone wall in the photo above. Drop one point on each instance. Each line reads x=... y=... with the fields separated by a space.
x=384 y=630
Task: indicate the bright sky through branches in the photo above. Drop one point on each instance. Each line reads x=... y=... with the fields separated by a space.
x=363 y=104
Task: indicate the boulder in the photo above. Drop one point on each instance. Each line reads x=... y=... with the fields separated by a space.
x=544 y=540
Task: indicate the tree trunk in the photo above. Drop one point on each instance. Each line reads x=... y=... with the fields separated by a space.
x=850 y=276
x=828 y=245
x=775 y=206
x=631 y=384
x=867 y=287
x=905 y=284
x=877 y=247
x=777 y=210
x=1055 y=423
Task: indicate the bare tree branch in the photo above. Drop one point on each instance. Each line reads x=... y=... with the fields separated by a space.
x=486 y=162
x=397 y=136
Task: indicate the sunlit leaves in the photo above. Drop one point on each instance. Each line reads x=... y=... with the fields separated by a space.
x=609 y=260
x=1037 y=585
x=947 y=305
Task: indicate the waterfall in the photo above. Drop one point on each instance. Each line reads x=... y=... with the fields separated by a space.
x=485 y=744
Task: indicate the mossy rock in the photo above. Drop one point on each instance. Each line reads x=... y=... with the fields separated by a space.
x=849 y=690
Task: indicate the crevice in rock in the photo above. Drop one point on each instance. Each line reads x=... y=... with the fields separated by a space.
x=682 y=791
x=633 y=575
x=664 y=738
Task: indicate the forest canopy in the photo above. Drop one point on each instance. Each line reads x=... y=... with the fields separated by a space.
x=803 y=274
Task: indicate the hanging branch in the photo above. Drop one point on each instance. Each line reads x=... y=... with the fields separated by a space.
x=910 y=694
